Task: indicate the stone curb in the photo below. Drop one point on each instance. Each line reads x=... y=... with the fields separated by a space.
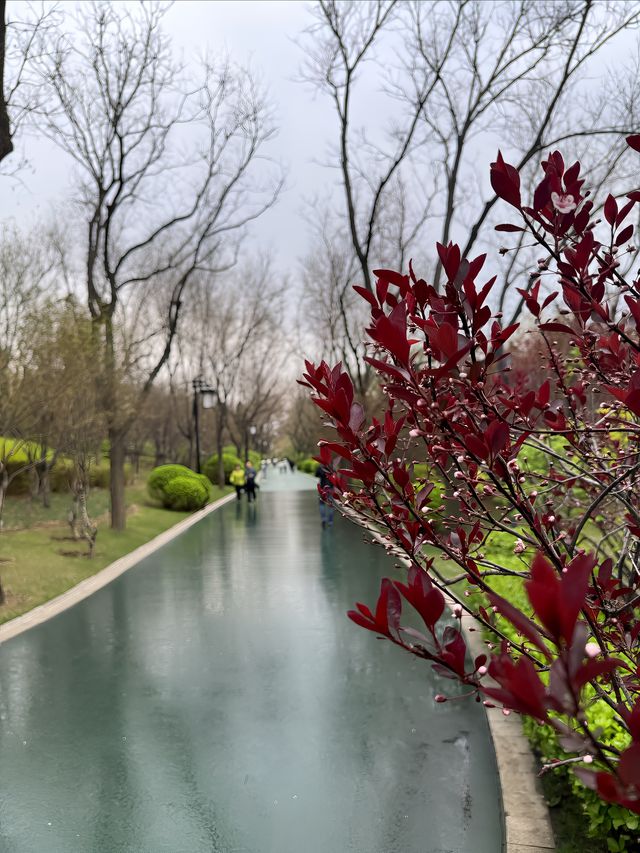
x=526 y=817
x=87 y=587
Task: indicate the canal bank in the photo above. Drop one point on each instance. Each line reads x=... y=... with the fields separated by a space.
x=215 y=698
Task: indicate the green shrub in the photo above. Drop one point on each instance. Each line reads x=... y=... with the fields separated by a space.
x=185 y=492
x=206 y=482
x=308 y=465
x=99 y=475
x=162 y=475
x=609 y=825
x=229 y=460
x=162 y=486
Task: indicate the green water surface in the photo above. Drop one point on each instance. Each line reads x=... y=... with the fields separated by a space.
x=215 y=699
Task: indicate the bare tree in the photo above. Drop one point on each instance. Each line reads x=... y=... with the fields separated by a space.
x=260 y=389
x=232 y=335
x=453 y=82
x=330 y=308
x=340 y=43
x=6 y=143
x=20 y=43
x=168 y=179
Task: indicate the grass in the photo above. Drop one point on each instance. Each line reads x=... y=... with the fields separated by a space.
x=41 y=561
x=21 y=512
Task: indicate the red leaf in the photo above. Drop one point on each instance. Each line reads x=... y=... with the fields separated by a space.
x=543 y=591
x=624 y=235
x=366 y=294
x=395 y=278
x=520 y=622
x=496 y=436
x=510 y=228
x=610 y=209
x=423 y=596
x=633 y=141
x=505 y=181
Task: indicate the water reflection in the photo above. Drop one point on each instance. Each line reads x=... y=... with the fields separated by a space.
x=217 y=699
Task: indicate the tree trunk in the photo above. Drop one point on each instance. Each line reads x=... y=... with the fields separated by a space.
x=79 y=521
x=45 y=484
x=116 y=486
x=220 y=459
x=4 y=485
x=6 y=144
x=34 y=482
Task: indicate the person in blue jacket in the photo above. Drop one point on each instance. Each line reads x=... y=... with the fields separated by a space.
x=325 y=495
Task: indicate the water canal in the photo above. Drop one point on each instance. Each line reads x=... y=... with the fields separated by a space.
x=215 y=699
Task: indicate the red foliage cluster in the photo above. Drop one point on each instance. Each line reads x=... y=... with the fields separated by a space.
x=547 y=460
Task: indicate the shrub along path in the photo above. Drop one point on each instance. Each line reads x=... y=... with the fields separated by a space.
x=215 y=698
x=41 y=561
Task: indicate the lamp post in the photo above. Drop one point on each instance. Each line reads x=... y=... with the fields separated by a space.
x=208 y=394
x=248 y=430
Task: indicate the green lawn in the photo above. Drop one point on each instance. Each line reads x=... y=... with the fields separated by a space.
x=41 y=561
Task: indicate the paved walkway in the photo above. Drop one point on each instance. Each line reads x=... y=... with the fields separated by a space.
x=215 y=699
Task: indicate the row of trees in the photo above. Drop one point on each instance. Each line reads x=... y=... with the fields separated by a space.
x=458 y=80
x=170 y=171
x=171 y=166
x=53 y=406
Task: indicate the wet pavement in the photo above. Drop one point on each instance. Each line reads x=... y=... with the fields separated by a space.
x=216 y=699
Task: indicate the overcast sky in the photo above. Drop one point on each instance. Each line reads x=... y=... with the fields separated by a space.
x=262 y=34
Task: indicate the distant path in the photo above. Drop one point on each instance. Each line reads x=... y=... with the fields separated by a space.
x=216 y=699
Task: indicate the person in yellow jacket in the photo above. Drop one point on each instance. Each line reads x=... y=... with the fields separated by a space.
x=237 y=479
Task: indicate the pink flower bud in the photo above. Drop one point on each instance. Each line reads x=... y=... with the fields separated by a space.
x=519 y=547
x=592 y=650
x=457 y=610
x=506 y=712
x=588 y=759
x=482 y=670
x=440 y=698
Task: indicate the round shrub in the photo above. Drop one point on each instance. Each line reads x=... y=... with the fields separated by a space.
x=308 y=466
x=229 y=460
x=162 y=475
x=206 y=482
x=185 y=493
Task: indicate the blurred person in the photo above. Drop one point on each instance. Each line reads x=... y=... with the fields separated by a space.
x=326 y=491
x=250 y=482
x=238 y=479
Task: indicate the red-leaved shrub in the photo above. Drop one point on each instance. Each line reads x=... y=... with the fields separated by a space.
x=546 y=459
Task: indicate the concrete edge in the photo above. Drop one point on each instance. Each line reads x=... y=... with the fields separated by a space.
x=527 y=825
x=88 y=586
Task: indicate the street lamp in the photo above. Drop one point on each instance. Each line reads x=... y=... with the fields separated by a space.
x=208 y=394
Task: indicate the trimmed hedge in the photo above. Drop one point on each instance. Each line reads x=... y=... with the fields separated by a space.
x=229 y=460
x=61 y=474
x=308 y=465
x=162 y=475
x=178 y=487
x=185 y=492
x=99 y=475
